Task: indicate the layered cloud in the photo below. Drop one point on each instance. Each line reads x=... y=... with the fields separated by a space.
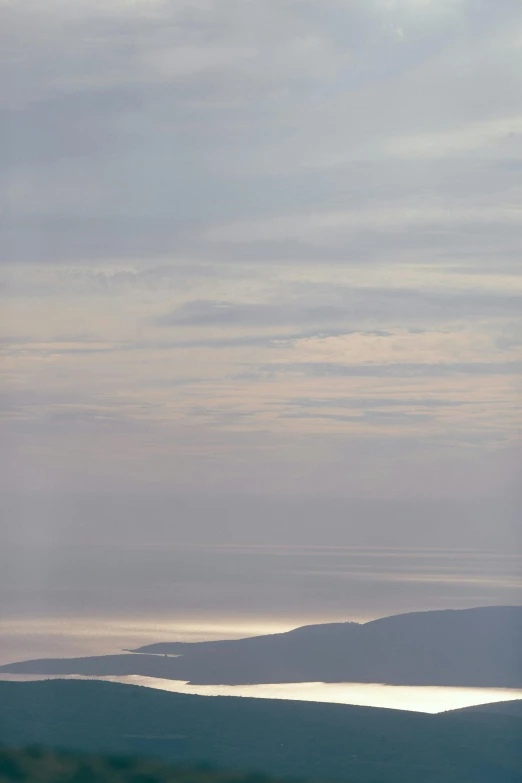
x=263 y=245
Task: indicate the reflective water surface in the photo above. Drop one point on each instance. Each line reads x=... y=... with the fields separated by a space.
x=24 y=638
x=416 y=699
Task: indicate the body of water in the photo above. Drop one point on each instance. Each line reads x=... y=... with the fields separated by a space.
x=66 y=637
x=398 y=697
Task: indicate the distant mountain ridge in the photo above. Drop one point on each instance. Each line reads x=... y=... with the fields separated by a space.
x=479 y=647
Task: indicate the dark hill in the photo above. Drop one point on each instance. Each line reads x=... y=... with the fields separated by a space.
x=473 y=647
x=291 y=739
x=509 y=708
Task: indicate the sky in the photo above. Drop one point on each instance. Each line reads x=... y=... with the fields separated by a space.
x=259 y=265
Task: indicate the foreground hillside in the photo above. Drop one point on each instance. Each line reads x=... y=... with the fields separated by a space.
x=472 y=647
x=510 y=708
x=35 y=765
x=288 y=739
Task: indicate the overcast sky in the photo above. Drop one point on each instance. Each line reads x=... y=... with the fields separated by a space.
x=262 y=248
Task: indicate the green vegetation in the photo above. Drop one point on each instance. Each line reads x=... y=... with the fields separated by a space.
x=36 y=765
x=278 y=738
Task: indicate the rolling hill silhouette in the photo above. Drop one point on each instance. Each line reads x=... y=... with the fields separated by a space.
x=469 y=648
x=287 y=738
x=509 y=708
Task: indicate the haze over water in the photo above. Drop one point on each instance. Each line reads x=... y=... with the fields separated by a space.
x=145 y=581
x=145 y=593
